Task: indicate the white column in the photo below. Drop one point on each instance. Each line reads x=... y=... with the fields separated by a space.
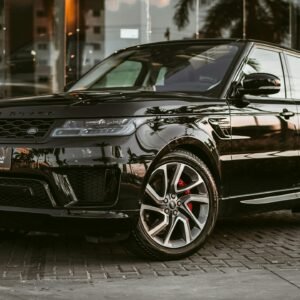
x=197 y=19
x=145 y=23
x=148 y=21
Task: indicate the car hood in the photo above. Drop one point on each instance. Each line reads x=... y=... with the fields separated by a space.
x=107 y=104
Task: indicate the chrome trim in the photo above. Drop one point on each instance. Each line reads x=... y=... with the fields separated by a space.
x=63 y=183
x=47 y=189
x=72 y=193
x=273 y=199
x=263 y=195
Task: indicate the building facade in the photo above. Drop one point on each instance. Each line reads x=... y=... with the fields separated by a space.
x=45 y=44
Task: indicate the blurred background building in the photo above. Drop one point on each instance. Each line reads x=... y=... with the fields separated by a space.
x=45 y=44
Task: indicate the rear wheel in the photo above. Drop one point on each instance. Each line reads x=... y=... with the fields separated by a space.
x=179 y=208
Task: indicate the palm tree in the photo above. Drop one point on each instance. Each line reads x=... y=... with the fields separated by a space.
x=265 y=19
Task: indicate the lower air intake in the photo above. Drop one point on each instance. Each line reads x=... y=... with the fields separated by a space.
x=24 y=193
x=93 y=186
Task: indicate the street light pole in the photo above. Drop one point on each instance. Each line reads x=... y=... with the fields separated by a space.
x=197 y=19
x=291 y=23
x=244 y=19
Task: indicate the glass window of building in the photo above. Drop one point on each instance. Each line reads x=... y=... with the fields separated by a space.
x=63 y=39
x=30 y=49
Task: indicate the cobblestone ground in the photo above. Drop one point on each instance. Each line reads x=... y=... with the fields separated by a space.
x=267 y=241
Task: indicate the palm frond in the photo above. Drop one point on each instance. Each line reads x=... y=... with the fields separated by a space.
x=266 y=19
x=223 y=15
x=182 y=10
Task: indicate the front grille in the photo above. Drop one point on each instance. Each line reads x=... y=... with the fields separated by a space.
x=25 y=193
x=93 y=186
x=17 y=129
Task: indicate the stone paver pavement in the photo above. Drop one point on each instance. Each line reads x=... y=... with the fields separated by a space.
x=264 y=247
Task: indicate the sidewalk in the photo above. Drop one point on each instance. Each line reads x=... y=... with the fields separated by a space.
x=252 y=284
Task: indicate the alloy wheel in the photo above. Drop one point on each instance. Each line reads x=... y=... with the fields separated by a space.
x=176 y=205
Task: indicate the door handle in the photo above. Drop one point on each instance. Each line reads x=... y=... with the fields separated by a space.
x=286 y=114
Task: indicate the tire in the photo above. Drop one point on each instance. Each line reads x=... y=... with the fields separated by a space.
x=179 y=208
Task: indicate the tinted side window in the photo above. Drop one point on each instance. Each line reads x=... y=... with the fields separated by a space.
x=294 y=70
x=266 y=61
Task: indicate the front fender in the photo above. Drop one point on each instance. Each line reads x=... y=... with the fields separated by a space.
x=187 y=135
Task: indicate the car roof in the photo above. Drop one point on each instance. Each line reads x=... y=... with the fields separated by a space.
x=188 y=41
x=214 y=41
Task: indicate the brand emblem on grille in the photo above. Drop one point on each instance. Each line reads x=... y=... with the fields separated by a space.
x=32 y=131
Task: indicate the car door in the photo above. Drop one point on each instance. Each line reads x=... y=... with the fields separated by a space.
x=293 y=68
x=264 y=135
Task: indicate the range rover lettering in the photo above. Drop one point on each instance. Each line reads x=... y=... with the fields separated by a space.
x=155 y=143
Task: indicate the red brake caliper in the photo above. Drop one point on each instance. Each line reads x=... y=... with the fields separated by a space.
x=182 y=184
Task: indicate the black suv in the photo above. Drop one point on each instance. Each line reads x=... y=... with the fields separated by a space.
x=155 y=143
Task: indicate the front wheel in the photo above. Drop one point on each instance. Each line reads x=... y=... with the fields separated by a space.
x=179 y=208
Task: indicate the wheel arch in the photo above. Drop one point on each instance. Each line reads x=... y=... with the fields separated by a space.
x=207 y=159
x=206 y=151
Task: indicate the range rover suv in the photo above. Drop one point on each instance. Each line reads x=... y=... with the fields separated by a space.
x=155 y=143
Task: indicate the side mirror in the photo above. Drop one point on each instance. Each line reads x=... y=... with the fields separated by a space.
x=259 y=84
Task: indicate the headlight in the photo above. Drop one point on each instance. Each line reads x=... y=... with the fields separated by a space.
x=99 y=127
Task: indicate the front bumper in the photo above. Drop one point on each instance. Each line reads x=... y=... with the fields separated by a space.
x=75 y=185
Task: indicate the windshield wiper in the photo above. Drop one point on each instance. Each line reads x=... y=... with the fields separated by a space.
x=85 y=96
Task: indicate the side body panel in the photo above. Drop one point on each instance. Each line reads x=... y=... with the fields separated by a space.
x=265 y=143
x=264 y=147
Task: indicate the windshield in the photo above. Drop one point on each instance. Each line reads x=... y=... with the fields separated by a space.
x=163 y=68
